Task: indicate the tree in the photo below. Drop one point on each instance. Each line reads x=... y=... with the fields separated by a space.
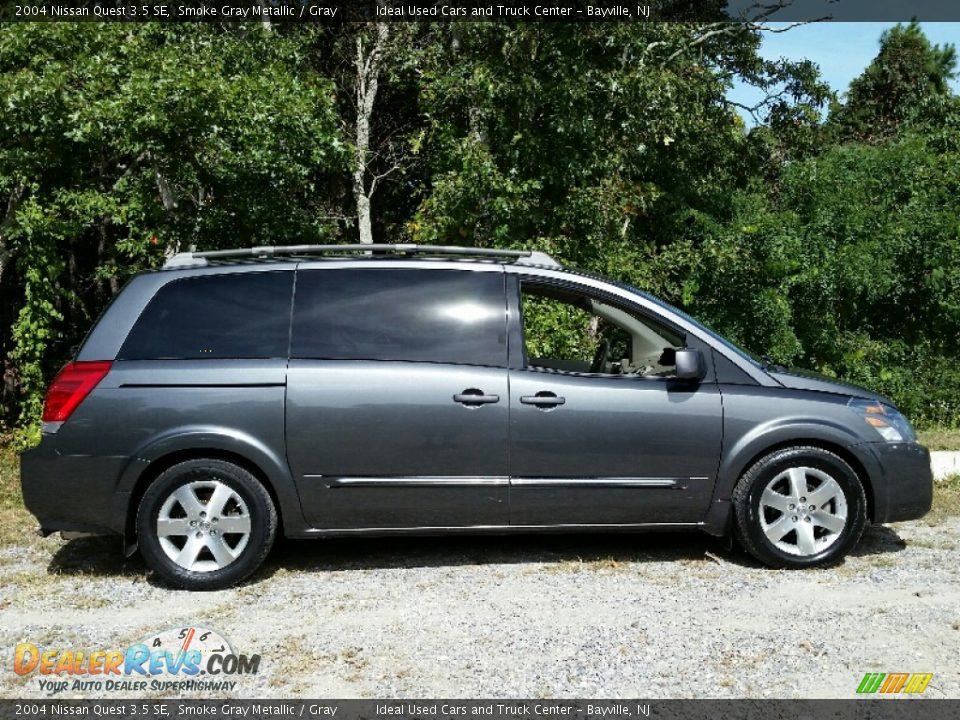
x=120 y=144
x=851 y=267
x=367 y=64
x=594 y=142
x=372 y=67
x=899 y=84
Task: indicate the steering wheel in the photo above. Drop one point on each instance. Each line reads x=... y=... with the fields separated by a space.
x=600 y=357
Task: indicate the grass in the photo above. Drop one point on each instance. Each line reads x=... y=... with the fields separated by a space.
x=946 y=500
x=940 y=439
x=16 y=524
x=294 y=654
x=932 y=544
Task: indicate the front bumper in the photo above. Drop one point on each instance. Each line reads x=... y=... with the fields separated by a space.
x=73 y=492
x=901 y=480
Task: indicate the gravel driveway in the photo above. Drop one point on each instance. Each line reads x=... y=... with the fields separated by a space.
x=649 y=616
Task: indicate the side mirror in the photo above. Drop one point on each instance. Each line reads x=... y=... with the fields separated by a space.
x=689 y=364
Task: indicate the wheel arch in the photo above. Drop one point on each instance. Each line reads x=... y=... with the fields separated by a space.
x=834 y=438
x=841 y=451
x=166 y=452
x=164 y=463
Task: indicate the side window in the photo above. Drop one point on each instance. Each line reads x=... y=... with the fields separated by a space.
x=567 y=331
x=242 y=315
x=442 y=316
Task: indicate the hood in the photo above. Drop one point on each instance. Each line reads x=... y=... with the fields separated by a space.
x=797 y=379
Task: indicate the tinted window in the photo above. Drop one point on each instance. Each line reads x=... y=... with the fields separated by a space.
x=244 y=315
x=444 y=316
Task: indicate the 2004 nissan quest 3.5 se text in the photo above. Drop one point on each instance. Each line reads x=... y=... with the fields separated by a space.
x=382 y=389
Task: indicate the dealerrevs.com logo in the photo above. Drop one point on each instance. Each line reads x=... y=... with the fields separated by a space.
x=178 y=659
x=894 y=683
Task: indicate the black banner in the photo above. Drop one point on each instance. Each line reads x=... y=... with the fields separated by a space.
x=873 y=709
x=336 y=11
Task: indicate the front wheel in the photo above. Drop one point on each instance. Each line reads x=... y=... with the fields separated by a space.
x=205 y=524
x=799 y=507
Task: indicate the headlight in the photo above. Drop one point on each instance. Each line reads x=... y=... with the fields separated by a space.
x=886 y=420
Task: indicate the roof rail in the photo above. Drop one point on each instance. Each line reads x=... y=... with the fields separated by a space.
x=194 y=259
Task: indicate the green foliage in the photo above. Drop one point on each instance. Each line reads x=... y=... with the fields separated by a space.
x=832 y=245
x=119 y=144
x=557 y=330
x=849 y=268
x=585 y=140
x=899 y=87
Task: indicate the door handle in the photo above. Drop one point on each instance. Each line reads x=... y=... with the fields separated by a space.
x=472 y=397
x=543 y=399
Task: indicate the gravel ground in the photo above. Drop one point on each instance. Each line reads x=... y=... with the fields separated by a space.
x=648 y=616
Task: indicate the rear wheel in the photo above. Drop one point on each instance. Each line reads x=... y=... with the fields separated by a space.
x=205 y=524
x=799 y=507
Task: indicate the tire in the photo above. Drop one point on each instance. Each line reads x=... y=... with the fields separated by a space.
x=772 y=503
x=205 y=524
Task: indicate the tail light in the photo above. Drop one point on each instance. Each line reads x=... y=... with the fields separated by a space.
x=70 y=387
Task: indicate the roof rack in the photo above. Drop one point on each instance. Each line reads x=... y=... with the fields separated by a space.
x=196 y=259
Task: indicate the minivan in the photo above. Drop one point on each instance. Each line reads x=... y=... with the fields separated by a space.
x=340 y=390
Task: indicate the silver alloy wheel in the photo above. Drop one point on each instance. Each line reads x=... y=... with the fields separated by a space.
x=803 y=511
x=203 y=526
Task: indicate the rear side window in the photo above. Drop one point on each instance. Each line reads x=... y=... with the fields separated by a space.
x=243 y=315
x=443 y=316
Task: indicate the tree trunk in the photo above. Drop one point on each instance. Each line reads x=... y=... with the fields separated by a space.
x=267 y=25
x=368 y=75
x=6 y=252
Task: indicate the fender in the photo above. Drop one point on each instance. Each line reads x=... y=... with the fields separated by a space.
x=740 y=452
x=199 y=438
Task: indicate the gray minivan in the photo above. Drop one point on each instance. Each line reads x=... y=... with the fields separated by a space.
x=326 y=391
